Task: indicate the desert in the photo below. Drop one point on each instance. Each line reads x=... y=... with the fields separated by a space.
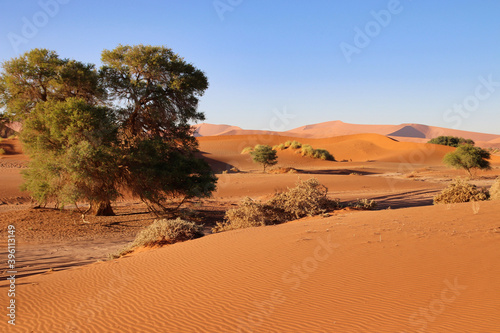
x=407 y=266
x=231 y=166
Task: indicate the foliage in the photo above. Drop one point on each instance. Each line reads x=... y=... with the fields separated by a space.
x=468 y=157
x=364 y=204
x=452 y=141
x=460 y=191
x=72 y=154
x=264 y=155
x=163 y=232
x=306 y=199
x=145 y=98
x=495 y=190
x=158 y=172
x=2 y=151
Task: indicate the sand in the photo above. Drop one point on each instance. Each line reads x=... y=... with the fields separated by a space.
x=384 y=271
x=411 y=268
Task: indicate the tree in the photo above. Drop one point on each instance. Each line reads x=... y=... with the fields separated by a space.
x=468 y=157
x=158 y=93
x=264 y=155
x=127 y=126
x=72 y=147
x=452 y=141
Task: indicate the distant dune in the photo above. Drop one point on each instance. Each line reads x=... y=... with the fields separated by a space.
x=403 y=132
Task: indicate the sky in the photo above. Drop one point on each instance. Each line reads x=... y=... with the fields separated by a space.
x=283 y=64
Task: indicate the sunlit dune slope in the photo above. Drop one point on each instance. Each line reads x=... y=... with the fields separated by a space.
x=431 y=269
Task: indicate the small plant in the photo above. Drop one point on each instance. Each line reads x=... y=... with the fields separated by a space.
x=460 y=191
x=234 y=170
x=162 y=232
x=2 y=151
x=452 y=141
x=295 y=145
x=306 y=199
x=495 y=190
x=364 y=204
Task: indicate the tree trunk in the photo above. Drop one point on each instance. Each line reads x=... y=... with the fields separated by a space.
x=102 y=208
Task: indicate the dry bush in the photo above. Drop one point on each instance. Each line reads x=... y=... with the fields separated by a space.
x=162 y=232
x=249 y=213
x=460 y=191
x=363 y=204
x=306 y=199
x=2 y=151
x=280 y=170
x=495 y=190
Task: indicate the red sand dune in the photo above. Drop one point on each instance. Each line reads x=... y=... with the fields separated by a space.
x=339 y=128
x=425 y=269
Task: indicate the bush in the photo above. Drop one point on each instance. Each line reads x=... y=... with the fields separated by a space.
x=2 y=151
x=323 y=154
x=460 y=191
x=162 y=232
x=249 y=213
x=364 y=204
x=452 y=141
x=295 y=145
x=307 y=150
x=306 y=199
x=495 y=190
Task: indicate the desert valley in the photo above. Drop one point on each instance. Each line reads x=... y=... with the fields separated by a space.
x=405 y=265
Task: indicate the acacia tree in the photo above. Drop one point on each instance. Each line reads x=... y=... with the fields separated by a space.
x=158 y=93
x=468 y=157
x=127 y=126
x=65 y=128
x=73 y=154
x=264 y=155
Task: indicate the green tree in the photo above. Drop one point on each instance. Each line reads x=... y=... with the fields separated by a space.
x=468 y=157
x=452 y=141
x=158 y=93
x=72 y=148
x=264 y=155
x=92 y=132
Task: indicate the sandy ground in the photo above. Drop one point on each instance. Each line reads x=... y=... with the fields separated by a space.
x=406 y=267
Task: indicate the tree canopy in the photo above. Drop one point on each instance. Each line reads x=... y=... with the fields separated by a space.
x=92 y=132
x=452 y=141
x=264 y=155
x=468 y=157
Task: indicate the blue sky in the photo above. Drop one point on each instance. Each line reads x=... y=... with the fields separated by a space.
x=367 y=62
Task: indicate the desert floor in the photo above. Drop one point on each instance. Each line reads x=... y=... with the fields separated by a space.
x=407 y=266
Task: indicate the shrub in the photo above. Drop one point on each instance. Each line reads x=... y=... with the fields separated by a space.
x=162 y=232
x=306 y=199
x=495 y=190
x=295 y=145
x=364 y=204
x=247 y=150
x=452 y=141
x=323 y=154
x=460 y=191
x=249 y=213
x=307 y=150
x=288 y=144
x=2 y=151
